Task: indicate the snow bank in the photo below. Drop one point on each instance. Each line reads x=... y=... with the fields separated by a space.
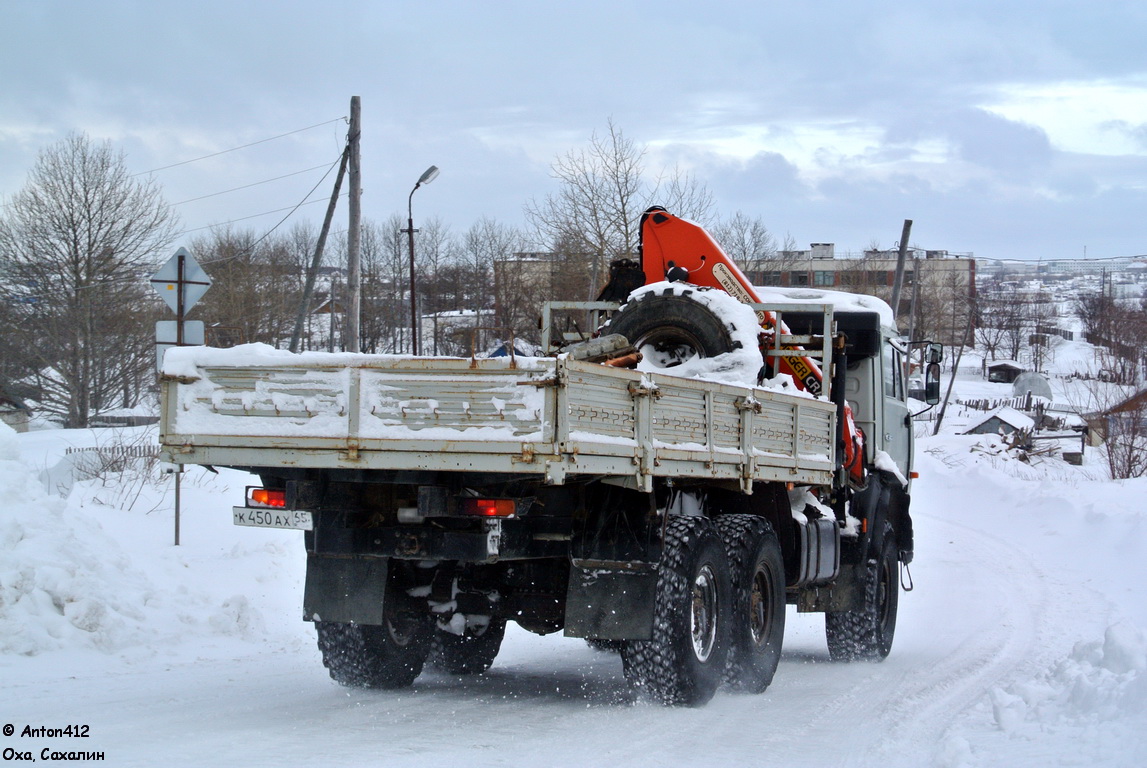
x=77 y=574
x=63 y=581
x=1097 y=695
x=1101 y=682
x=1077 y=702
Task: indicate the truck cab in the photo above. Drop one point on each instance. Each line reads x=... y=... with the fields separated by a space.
x=875 y=378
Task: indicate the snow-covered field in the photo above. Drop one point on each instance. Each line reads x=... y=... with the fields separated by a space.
x=1022 y=643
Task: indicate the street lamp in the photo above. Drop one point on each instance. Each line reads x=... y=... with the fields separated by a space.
x=428 y=176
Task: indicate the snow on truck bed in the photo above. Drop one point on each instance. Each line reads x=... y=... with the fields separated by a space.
x=283 y=394
x=253 y=404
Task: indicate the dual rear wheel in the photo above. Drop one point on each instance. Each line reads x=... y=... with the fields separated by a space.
x=718 y=615
x=393 y=654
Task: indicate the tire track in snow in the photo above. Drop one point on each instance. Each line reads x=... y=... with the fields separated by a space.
x=920 y=707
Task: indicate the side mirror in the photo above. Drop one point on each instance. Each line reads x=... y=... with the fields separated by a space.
x=935 y=353
x=932 y=382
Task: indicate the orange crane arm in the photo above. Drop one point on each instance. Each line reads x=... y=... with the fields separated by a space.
x=670 y=243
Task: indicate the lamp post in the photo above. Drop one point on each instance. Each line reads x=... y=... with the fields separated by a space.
x=428 y=176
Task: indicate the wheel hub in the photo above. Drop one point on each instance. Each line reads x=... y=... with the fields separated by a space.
x=703 y=613
x=759 y=610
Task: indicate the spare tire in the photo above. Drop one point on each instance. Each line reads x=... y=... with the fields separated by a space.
x=671 y=327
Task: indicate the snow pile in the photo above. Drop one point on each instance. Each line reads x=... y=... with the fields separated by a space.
x=1101 y=682
x=79 y=574
x=63 y=581
x=741 y=366
x=1100 y=690
x=1069 y=566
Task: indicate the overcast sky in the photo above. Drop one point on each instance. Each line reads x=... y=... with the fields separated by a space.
x=1008 y=129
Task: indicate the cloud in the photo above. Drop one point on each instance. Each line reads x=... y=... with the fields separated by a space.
x=834 y=116
x=1005 y=146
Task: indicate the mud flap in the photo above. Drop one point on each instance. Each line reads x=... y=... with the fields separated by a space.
x=843 y=595
x=345 y=588
x=611 y=604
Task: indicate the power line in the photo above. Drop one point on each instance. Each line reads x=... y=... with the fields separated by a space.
x=245 y=146
x=246 y=186
x=290 y=212
x=292 y=209
x=252 y=216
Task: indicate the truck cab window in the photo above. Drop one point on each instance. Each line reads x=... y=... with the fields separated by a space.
x=893 y=373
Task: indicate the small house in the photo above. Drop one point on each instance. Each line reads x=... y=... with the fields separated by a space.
x=1127 y=418
x=1002 y=421
x=1004 y=371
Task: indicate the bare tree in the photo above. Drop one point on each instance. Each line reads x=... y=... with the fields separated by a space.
x=1097 y=311
x=1041 y=316
x=748 y=242
x=598 y=201
x=681 y=193
x=1121 y=329
x=435 y=250
x=1116 y=416
x=999 y=320
x=77 y=244
x=385 y=257
x=602 y=192
x=1126 y=437
x=484 y=244
x=256 y=284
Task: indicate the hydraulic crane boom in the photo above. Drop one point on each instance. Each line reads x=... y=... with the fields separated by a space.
x=677 y=249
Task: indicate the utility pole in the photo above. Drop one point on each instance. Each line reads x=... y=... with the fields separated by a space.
x=912 y=310
x=900 y=259
x=952 y=378
x=309 y=288
x=353 y=238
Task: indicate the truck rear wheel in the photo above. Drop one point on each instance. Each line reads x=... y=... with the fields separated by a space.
x=468 y=654
x=684 y=662
x=670 y=328
x=387 y=655
x=866 y=634
x=758 y=615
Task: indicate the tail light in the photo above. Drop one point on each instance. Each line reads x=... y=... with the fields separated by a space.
x=489 y=507
x=266 y=497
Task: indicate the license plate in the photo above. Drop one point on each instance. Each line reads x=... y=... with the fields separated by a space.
x=273 y=518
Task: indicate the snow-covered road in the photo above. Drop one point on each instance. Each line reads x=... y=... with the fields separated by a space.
x=1013 y=569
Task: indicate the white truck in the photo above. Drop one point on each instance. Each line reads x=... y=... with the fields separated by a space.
x=668 y=517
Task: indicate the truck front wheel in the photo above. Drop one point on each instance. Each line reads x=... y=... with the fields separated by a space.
x=684 y=662
x=758 y=616
x=865 y=634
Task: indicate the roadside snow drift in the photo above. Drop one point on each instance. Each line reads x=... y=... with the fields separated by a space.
x=77 y=574
x=63 y=582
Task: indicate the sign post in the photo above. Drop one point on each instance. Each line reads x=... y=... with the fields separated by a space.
x=181 y=283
